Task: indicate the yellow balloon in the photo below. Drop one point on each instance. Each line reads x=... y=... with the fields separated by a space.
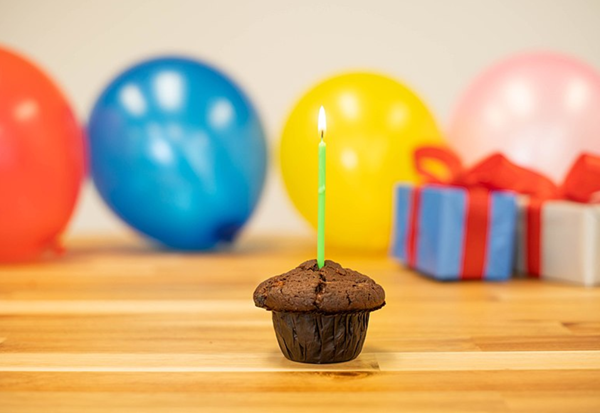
x=373 y=125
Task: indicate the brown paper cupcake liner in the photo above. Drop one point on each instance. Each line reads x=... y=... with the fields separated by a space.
x=321 y=338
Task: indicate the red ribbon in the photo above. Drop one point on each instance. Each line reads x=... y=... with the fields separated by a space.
x=582 y=184
x=476 y=234
x=411 y=245
x=493 y=173
x=533 y=236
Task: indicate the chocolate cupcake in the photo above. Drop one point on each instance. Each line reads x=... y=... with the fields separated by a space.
x=320 y=315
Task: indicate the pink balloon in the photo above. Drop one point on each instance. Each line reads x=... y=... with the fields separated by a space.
x=539 y=109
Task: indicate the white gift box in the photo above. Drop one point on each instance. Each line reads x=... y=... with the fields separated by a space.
x=569 y=242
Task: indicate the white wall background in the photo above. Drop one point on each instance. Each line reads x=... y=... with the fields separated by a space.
x=275 y=49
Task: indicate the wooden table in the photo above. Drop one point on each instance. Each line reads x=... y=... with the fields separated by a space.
x=117 y=326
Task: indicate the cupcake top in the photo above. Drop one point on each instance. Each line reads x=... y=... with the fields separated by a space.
x=331 y=289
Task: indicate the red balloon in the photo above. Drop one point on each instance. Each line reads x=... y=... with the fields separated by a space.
x=41 y=160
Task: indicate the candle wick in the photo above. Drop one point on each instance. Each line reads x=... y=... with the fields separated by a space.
x=322 y=133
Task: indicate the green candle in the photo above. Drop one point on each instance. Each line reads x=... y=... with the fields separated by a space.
x=321 y=213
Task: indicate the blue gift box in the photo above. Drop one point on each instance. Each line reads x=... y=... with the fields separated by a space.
x=436 y=232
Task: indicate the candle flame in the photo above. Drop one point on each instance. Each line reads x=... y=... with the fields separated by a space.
x=322 y=122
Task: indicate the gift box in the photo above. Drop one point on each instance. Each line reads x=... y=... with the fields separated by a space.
x=558 y=237
x=462 y=225
x=453 y=233
x=566 y=246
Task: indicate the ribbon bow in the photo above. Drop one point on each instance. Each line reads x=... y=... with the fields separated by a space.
x=582 y=183
x=493 y=173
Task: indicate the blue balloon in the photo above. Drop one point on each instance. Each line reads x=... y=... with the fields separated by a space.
x=178 y=152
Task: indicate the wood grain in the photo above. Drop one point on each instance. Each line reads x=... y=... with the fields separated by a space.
x=120 y=326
